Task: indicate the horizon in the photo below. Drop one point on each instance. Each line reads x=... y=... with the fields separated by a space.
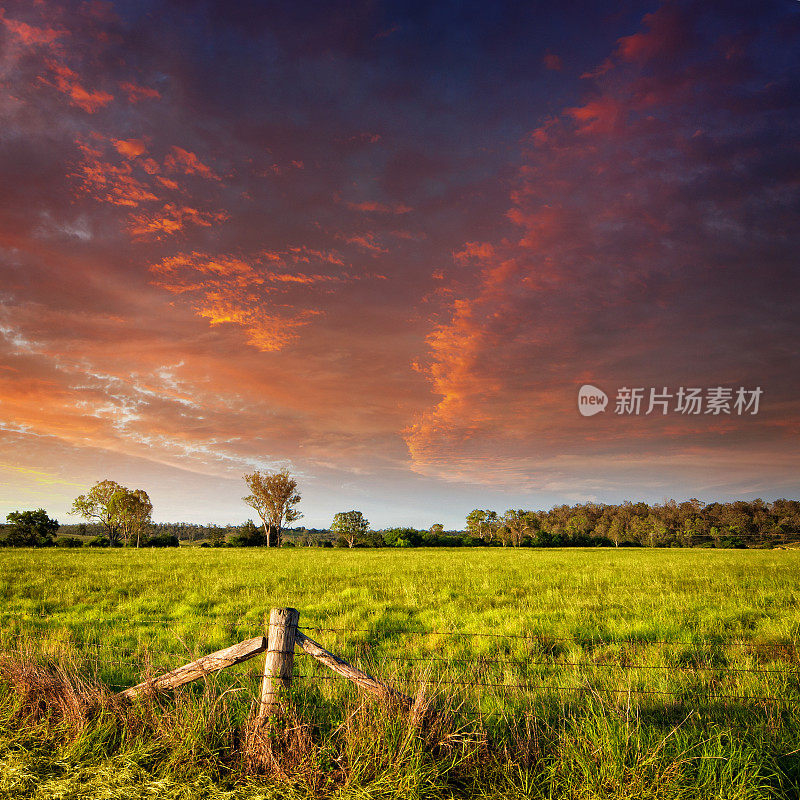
x=428 y=259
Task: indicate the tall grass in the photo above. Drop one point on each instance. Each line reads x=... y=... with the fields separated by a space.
x=606 y=674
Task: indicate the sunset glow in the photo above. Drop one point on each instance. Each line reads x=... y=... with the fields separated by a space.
x=384 y=245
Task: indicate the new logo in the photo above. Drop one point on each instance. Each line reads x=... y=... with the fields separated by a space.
x=591 y=400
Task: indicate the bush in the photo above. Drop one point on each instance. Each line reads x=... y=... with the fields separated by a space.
x=164 y=540
x=249 y=536
x=69 y=541
x=98 y=541
x=733 y=543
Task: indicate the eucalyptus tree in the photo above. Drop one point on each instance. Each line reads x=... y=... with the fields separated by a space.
x=121 y=511
x=274 y=496
x=349 y=525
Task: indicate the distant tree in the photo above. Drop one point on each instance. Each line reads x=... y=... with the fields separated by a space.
x=134 y=511
x=476 y=520
x=30 y=529
x=616 y=530
x=578 y=526
x=402 y=537
x=349 y=525
x=99 y=504
x=68 y=541
x=216 y=536
x=517 y=525
x=249 y=535
x=484 y=525
x=274 y=496
x=437 y=529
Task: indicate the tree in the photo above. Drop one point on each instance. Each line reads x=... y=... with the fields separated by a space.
x=349 y=525
x=616 y=530
x=30 y=529
x=100 y=504
x=274 y=496
x=134 y=510
x=483 y=524
x=518 y=524
x=249 y=535
x=476 y=522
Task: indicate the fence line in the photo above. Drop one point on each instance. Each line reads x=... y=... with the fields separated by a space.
x=549 y=639
x=534 y=636
x=284 y=636
x=478 y=661
x=588 y=665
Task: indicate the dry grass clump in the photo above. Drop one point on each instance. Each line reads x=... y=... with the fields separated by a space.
x=279 y=746
x=51 y=692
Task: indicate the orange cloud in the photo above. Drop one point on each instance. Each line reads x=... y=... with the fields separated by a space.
x=150 y=166
x=130 y=148
x=180 y=160
x=599 y=116
x=382 y=208
x=477 y=251
x=171 y=219
x=367 y=241
x=188 y=272
x=665 y=34
x=167 y=182
x=246 y=292
x=111 y=183
x=30 y=34
x=66 y=82
x=264 y=330
x=136 y=94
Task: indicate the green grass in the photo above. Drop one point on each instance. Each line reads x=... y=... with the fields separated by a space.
x=608 y=673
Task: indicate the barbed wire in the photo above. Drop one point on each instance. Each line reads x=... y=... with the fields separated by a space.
x=528 y=687
x=547 y=639
x=145 y=656
x=87 y=651
x=538 y=637
x=548 y=687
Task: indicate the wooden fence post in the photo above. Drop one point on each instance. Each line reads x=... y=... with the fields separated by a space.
x=279 y=661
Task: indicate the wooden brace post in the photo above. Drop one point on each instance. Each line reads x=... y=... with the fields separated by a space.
x=198 y=669
x=341 y=667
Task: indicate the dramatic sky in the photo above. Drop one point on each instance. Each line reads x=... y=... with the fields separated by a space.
x=383 y=244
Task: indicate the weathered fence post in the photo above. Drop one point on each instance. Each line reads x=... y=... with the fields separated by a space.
x=361 y=679
x=279 y=661
x=199 y=668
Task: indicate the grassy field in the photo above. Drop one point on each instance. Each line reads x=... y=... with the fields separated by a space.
x=546 y=673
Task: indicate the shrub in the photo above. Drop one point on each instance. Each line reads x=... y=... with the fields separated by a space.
x=69 y=541
x=164 y=540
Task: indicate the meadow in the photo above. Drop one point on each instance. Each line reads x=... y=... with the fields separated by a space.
x=570 y=673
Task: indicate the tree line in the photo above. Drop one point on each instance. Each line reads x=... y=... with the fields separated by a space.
x=692 y=523
x=115 y=516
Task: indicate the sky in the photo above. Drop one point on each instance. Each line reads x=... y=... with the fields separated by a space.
x=384 y=245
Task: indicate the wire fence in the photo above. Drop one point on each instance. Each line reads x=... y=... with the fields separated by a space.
x=720 y=679
x=381 y=633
